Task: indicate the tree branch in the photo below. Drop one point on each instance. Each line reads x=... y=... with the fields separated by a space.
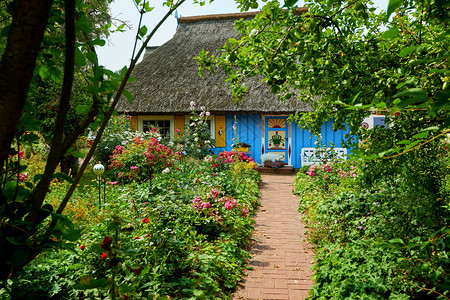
x=111 y=110
x=38 y=195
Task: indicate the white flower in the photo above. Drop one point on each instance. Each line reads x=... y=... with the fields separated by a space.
x=207 y=113
x=166 y=170
x=202 y=108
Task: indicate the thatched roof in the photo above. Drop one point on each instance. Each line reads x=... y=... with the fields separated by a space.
x=168 y=80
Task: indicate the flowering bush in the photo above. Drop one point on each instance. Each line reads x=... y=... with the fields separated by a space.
x=118 y=132
x=140 y=159
x=328 y=174
x=389 y=216
x=227 y=158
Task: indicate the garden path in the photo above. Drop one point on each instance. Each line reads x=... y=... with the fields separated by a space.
x=281 y=258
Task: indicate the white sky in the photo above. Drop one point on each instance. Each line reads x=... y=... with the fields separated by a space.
x=119 y=48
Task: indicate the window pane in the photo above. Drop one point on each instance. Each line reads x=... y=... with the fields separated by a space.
x=162 y=125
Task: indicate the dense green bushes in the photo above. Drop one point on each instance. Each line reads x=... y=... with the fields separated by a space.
x=382 y=234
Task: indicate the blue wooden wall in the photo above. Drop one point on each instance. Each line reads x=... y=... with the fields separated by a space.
x=249 y=130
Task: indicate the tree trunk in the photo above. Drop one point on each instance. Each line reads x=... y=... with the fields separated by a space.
x=17 y=65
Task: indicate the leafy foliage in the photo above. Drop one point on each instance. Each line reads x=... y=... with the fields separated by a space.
x=383 y=233
x=348 y=60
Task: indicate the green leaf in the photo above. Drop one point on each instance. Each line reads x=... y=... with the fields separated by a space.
x=421 y=135
x=128 y=95
x=143 y=31
x=63 y=176
x=77 y=154
x=409 y=81
x=412 y=145
x=98 y=42
x=381 y=105
x=415 y=95
x=5 y=31
x=80 y=60
x=11 y=188
x=407 y=50
x=56 y=74
x=404 y=142
x=396 y=241
x=91 y=283
x=29 y=123
x=392 y=6
x=391 y=33
x=82 y=109
x=44 y=72
x=290 y=3
x=92 y=57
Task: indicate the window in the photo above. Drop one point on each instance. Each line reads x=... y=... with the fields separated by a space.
x=209 y=124
x=162 y=125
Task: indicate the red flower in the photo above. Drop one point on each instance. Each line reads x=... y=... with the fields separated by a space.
x=136 y=238
x=106 y=244
x=104 y=255
x=145 y=220
x=82 y=247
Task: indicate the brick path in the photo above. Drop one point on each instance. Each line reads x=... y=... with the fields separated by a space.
x=281 y=259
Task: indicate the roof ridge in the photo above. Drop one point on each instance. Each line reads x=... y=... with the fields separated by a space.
x=230 y=16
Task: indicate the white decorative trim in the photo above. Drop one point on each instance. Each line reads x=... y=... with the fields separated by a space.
x=311 y=157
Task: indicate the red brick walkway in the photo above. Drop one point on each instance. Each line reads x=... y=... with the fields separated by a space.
x=281 y=258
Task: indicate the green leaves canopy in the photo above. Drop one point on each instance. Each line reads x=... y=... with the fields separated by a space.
x=347 y=59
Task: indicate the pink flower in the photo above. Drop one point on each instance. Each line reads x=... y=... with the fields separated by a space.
x=228 y=205
x=214 y=193
x=244 y=212
x=206 y=205
x=177 y=130
x=113 y=182
x=118 y=149
x=134 y=167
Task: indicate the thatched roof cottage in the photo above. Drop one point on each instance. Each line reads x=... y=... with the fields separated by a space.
x=168 y=80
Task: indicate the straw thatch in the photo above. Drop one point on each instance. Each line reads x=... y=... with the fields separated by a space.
x=168 y=80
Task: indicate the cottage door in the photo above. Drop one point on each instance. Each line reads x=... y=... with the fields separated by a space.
x=276 y=136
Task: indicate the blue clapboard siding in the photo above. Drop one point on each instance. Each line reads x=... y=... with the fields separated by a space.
x=249 y=131
x=302 y=138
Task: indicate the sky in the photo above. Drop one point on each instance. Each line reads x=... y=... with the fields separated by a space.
x=119 y=46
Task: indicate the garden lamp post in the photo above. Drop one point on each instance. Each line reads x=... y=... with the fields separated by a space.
x=99 y=169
